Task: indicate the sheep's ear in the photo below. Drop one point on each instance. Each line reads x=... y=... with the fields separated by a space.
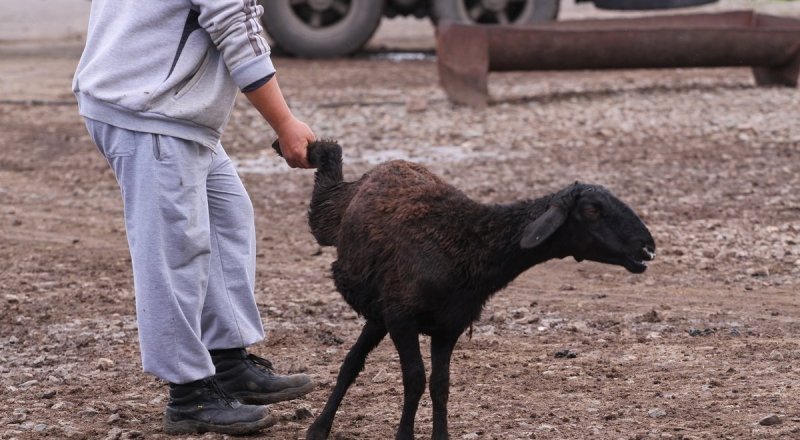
x=538 y=230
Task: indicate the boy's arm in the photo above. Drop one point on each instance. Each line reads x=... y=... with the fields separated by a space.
x=293 y=134
x=235 y=28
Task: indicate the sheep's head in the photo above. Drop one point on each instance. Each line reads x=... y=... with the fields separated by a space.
x=589 y=223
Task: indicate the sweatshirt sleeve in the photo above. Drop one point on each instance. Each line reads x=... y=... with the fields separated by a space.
x=235 y=29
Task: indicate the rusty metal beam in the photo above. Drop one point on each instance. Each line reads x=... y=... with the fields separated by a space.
x=768 y=44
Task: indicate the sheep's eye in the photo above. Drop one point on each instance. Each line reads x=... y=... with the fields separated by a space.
x=591 y=212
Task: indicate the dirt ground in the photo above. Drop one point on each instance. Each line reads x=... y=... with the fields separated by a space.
x=704 y=345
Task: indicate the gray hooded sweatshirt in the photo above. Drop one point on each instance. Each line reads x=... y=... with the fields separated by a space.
x=170 y=67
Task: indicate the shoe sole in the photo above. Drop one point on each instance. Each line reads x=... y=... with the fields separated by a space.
x=279 y=396
x=198 y=427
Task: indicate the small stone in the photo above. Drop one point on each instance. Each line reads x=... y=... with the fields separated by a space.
x=380 y=377
x=89 y=411
x=13 y=299
x=132 y=434
x=61 y=405
x=296 y=368
x=770 y=420
x=651 y=316
x=518 y=313
x=606 y=132
x=758 y=272
x=776 y=355
x=302 y=413
x=70 y=432
x=114 y=434
x=39 y=427
x=16 y=222
x=29 y=383
x=703 y=332
x=656 y=413
x=417 y=104
x=104 y=363
x=744 y=137
x=566 y=354
x=113 y=418
x=49 y=394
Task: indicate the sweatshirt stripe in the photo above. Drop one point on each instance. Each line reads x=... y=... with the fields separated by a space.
x=192 y=24
x=252 y=27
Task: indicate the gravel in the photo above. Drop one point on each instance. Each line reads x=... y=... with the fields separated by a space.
x=711 y=162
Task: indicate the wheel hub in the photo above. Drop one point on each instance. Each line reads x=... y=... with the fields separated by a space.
x=495 y=5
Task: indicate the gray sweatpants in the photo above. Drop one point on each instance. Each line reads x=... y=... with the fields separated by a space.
x=191 y=235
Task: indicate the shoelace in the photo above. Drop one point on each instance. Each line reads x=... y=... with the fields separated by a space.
x=261 y=362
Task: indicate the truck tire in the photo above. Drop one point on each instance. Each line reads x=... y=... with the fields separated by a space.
x=495 y=11
x=321 y=28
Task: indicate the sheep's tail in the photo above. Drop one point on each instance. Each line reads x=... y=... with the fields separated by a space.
x=331 y=194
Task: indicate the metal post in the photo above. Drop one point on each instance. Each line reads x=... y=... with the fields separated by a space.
x=768 y=44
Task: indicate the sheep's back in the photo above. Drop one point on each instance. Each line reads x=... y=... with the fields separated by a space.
x=396 y=196
x=404 y=230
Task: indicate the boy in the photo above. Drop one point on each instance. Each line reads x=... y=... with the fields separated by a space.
x=156 y=85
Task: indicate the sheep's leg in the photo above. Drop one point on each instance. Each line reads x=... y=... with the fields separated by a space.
x=371 y=336
x=406 y=340
x=441 y=352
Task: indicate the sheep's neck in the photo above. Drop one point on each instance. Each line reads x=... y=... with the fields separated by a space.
x=501 y=228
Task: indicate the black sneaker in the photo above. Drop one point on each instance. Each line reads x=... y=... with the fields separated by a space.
x=251 y=379
x=201 y=406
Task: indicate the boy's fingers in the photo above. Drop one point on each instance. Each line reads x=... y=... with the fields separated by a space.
x=294 y=158
x=297 y=159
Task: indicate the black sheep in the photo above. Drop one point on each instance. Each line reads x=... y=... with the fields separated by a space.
x=415 y=255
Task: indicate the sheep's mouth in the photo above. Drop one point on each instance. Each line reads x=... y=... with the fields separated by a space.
x=634 y=264
x=629 y=262
x=638 y=263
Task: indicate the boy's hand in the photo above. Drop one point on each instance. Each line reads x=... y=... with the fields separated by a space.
x=294 y=136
